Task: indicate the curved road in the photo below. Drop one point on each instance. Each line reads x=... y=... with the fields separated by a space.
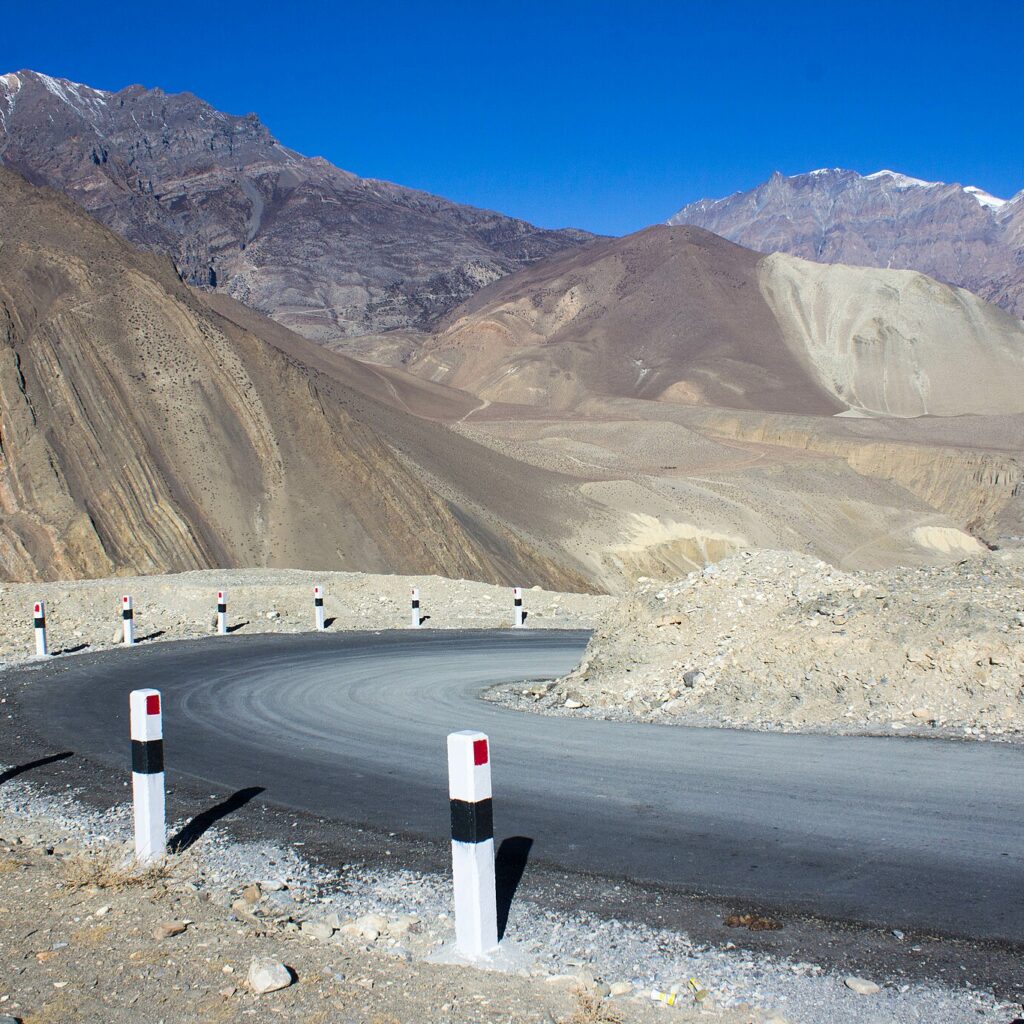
x=898 y=832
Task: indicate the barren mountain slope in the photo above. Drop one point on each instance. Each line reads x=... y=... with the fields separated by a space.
x=958 y=235
x=671 y=314
x=895 y=342
x=680 y=315
x=142 y=431
x=327 y=253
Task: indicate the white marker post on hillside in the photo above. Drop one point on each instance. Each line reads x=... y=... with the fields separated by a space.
x=128 y=619
x=417 y=621
x=318 y=607
x=148 y=775
x=39 y=620
x=517 y=602
x=469 y=789
x=222 y=613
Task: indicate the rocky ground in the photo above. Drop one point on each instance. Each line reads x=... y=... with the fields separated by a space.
x=775 y=640
x=86 y=614
x=229 y=931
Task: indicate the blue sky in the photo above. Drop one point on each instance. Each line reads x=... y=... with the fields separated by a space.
x=602 y=116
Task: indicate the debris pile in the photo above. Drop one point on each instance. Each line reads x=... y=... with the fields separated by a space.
x=776 y=640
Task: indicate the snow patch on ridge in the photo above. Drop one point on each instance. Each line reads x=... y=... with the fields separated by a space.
x=901 y=180
x=985 y=198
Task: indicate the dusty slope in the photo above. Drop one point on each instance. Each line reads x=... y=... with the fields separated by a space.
x=668 y=313
x=895 y=342
x=142 y=431
x=959 y=235
x=327 y=253
x=679 y=315
x=778 y=640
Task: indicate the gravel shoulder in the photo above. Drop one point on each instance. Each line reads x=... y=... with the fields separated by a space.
x=82 y=939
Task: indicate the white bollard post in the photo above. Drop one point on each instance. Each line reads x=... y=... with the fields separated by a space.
x=318 y=606
x=148 y=775
x=517 y=602
x=128 y=619
x=222 y=613
x=39 y=618
x=417 y=621
x=469 y=787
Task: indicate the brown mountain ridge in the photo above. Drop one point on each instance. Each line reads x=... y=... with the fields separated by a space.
x=141 y=430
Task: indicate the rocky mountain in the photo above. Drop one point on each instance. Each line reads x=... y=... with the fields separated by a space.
x=959 y=235
x=680 y=315
x=144 y=430
x=320 y=250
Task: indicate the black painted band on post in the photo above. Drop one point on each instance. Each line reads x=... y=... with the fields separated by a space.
x=318 y=602
x=147 y=756
x=221 y=609
x=40 y=622
x=415 y=604
x=127 y=613
x=472 y=822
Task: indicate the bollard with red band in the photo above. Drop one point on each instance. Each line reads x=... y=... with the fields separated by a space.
x=318 y=607
x=517 y=604
x=469 y=788
x=39 y=620
x=128 y=619
x=222 y=613
x=417 y=621
x=148 y=775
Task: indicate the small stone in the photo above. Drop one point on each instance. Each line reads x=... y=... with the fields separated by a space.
x=251 y=893
x=273 y=615
x=572 y=705
x=227 y=992
x=403 y=925
x=268 y=975
x=693 y=678
x=620 y=988
x=319 y=930
x=861 y=986
x=922 y=714
x=169 y=929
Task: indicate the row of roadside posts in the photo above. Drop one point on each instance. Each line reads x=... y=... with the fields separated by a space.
x=128 y=615
x=469 y=793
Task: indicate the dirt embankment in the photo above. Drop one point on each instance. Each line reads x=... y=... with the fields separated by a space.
x=774 y=640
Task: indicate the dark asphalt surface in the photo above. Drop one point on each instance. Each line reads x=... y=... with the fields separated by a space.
x=892 y=832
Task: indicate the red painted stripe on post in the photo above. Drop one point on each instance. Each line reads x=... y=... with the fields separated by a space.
x=480 y=753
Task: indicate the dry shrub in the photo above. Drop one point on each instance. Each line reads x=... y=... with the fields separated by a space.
x=591 y=1009
x=111 y=869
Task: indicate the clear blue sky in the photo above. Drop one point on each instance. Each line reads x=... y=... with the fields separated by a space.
x=602 y=116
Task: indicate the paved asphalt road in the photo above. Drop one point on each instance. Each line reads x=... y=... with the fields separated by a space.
x=899 y=832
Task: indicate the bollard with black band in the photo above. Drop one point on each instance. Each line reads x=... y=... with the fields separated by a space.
x=222 y=613
x=517 y=604
x=148 y=775
x=318 y=607
x=128 y=619
x=417 y=621
x=469 y=790
x=39 y=620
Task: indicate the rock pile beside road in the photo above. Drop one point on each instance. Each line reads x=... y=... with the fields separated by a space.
x=775 y=640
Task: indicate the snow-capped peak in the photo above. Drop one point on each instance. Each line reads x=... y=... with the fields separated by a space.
x=983 y=197
x=901 y=180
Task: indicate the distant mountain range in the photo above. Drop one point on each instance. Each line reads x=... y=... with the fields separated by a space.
x=958 y=234
x=324 y=252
